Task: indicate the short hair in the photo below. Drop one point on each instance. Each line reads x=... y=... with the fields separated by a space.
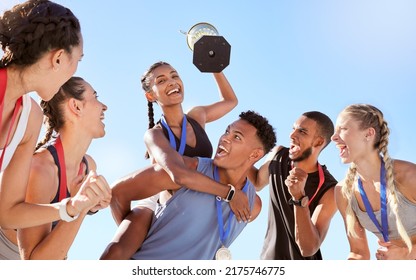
x=265 y=131
x=325 y=125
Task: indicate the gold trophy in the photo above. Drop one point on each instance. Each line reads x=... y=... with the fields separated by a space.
x=211 y=52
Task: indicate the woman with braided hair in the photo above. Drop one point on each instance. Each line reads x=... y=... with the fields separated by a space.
x=42 y=45
x=378 y=193
x=74 y=118
x=174 y=135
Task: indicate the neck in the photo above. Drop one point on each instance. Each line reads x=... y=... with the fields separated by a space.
x=15 y=86
x=368 y=168
x=173 y=115
x=75 y=146
x=309 y=165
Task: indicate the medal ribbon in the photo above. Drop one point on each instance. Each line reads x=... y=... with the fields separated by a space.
x=172 y=136
x=224 y=233
x=3 y=83
x=321 y=181
x=383 y=203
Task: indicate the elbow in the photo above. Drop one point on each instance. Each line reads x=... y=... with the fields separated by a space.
x=308 y=252
x=307 y=249
x=181 y=177
x=6 y=219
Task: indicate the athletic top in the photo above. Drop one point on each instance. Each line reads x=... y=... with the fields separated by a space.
x=20 y=131
x=186 y=228
x=52 y=150
x=203 y=147
x=280 y=243
x=407 y=214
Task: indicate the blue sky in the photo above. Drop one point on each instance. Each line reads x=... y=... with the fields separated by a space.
x=287 y=57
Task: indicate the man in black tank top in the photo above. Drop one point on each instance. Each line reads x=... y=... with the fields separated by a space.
x=298 y=185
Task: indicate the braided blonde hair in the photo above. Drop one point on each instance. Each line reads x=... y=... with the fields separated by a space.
x=370 y=116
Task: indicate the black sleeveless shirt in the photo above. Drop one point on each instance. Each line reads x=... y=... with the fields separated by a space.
x=54 y=153
x=280 y=243
x=203 y=147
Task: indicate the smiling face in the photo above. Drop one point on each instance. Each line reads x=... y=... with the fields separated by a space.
x=237 y=145
x=166 y=86
x=352 y=141
x=302 y=138
x=93 y=111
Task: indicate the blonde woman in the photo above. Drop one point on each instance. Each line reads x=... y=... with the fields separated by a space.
x=378 y=193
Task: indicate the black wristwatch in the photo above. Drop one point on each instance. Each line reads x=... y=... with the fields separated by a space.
x=230 y=194
x=302 y=202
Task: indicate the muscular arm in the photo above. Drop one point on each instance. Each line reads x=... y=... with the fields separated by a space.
x=310 y=232
x=172 y=171
x=14 y=212
x=228 y=101
x=41 y=242
x=260 y=177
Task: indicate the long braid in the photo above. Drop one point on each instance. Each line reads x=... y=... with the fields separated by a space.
x=151 y=114
x=348 y=192
x=49 y=121
x=145 y=81
x=370 y=116
x=390 y=182
x=151 y=122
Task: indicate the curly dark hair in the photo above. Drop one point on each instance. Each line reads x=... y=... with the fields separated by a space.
x=265 y=131
x=30 y=29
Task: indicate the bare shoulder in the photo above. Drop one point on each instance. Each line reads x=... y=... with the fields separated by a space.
x=405 y=177
x=198 y=113
x=153 y=132
x=34 y=123
x=43 y=177
x=256 y=208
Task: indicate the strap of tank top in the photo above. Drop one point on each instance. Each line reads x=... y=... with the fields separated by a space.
x=62 y=173
x=3 y=83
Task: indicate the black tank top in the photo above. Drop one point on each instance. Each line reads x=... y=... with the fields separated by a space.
x=203 y=147
x=54 y=154
x=280 y=243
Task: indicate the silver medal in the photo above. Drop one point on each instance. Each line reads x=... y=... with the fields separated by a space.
x=223 y=253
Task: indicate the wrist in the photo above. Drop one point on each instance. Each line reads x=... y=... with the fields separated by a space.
x=67 y=212
x=230 y=194
x=302 y=202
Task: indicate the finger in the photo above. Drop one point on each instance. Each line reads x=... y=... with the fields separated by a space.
x=103 y=184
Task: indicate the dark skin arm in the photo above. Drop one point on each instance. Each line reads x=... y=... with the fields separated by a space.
x=177 y=173
x=129 y=236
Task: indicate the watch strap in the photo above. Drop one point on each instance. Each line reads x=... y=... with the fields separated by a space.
x=230 y=194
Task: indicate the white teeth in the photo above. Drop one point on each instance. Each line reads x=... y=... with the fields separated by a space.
x=173 y=91
x=294 y=148
x=223 y=148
